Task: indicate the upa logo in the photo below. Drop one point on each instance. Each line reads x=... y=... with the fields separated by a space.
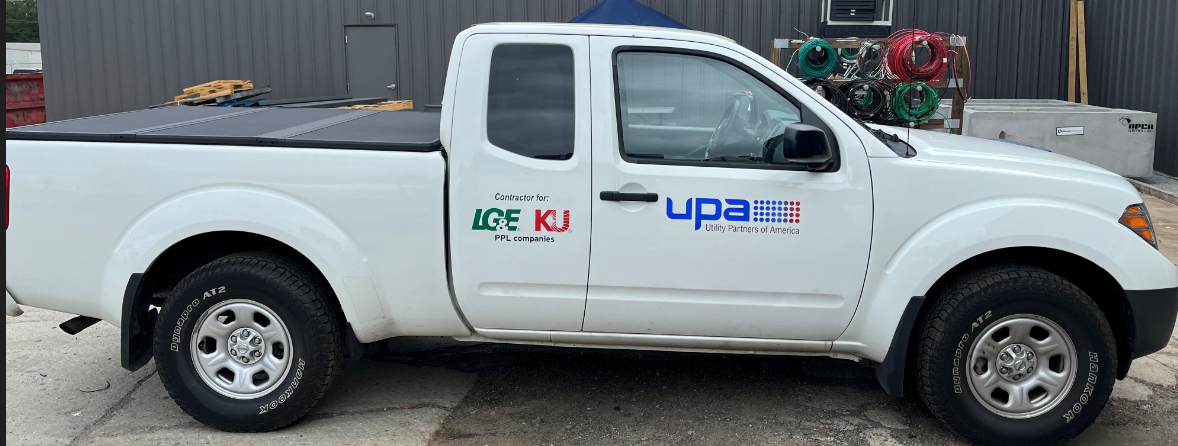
x=546 y=221
x=495 y=219
x=731 y=209
x=710 y=209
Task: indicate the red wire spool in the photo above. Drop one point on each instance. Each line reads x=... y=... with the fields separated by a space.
x=901 y=59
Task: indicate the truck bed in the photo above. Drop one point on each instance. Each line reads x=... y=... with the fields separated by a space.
x=264 y=126
x=87 y=216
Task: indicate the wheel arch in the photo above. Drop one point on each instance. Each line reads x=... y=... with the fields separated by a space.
x=1060 y=241
x=1095 y=281
x=176 y=235
x=893 y=372
x=185 y=256
x=151 y=287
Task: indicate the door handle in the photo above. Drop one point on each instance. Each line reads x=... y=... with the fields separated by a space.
x=624 y=196
x=392 y=87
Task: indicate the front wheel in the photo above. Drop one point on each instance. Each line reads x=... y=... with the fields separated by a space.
x=1013 y=354
x=248 y=342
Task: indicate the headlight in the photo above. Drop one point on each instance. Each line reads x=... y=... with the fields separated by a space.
x=1136 y=218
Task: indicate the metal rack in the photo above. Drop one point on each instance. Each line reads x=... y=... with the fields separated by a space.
x=959 y=85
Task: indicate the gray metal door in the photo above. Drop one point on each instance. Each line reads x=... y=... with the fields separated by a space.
x=372 y=61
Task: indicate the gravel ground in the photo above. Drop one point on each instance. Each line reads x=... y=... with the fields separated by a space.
x=62 y=389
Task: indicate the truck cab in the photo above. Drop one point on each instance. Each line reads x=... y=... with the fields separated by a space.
x=660 y=166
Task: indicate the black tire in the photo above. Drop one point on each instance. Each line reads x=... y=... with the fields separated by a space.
x=959 y=315
x=301 y=302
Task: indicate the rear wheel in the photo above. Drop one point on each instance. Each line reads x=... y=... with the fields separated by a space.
x=248 y=342
x=1013 y=354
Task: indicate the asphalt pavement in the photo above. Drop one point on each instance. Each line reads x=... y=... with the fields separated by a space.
x=62 y=389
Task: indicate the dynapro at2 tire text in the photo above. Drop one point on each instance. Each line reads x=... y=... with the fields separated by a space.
x=248 y=343
x=1013 y=355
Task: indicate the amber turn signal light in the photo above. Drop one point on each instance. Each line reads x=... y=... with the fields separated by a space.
x=1134 y=222
x=1136 y=218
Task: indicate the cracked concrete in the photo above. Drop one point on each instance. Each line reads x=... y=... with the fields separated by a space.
x=52 y=380
x=62 y=389
x=152 y=418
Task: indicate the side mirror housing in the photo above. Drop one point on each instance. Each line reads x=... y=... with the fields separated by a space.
x=802 y=144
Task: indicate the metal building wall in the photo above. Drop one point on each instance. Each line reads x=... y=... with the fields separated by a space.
x=104 y=56
x=118 y=55
x=1132 y=61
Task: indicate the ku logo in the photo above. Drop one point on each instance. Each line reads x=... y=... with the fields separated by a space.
x=546 y=221
x=495 y=219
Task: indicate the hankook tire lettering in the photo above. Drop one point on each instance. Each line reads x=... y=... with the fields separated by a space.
x=285 y=395
x=1089 y=387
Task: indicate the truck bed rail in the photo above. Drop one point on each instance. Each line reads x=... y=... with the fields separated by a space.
x=406 y=131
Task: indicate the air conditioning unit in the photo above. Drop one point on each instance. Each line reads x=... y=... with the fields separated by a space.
x=856 y=18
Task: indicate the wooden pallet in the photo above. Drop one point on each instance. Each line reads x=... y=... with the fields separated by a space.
x=219 y=85
x=386 y=106
x=210 y=90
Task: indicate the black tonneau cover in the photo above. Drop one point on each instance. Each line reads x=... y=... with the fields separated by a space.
x=261 y=126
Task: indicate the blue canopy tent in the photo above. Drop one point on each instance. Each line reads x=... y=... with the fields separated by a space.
x=626 y=12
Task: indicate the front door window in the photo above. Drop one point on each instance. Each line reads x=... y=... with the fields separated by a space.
x=682 y=107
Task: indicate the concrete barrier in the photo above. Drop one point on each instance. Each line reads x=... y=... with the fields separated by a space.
x=1119 y=140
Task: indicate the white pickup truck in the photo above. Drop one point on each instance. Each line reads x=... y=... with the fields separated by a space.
x=590 y=186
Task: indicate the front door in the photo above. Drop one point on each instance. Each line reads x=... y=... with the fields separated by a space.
x=520 y=181
x=372 y=61
x=693 y=233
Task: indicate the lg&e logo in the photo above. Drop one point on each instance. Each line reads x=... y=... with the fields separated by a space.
x=495 y=219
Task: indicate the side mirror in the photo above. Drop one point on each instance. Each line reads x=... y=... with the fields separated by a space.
x=800 y=143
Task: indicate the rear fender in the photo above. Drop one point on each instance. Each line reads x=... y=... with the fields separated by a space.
x=248 y=209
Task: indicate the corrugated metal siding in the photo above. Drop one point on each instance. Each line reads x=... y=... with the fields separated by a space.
x=1132 y=61
x=1018 y=47
x=104 y=56
x=114 y=55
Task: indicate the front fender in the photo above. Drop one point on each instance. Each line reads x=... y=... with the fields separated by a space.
x=981 y=227
x=249 y=209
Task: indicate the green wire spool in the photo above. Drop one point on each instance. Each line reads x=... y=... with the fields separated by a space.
x=904 y=111
x=821 y=64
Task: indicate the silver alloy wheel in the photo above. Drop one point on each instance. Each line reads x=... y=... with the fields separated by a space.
x=1022 y=366
x=241 y=349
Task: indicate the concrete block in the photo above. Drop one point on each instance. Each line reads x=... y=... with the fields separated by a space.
x=1119 y=140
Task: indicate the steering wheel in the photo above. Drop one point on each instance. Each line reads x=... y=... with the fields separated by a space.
x=735 y=126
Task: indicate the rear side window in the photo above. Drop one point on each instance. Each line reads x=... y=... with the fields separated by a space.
x=530 y=100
